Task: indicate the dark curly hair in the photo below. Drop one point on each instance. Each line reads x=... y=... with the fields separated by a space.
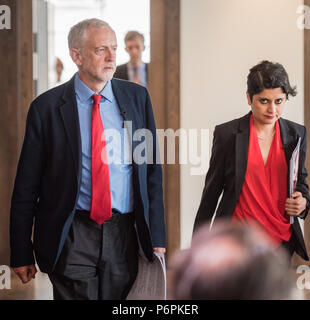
x=269 y=75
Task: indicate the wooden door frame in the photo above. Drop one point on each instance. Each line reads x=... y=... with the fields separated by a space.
x=307 y=115
x=16 y=90
x=164 y=87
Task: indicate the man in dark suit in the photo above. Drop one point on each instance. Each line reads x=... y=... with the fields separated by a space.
x=86 y=208
x=135 y=70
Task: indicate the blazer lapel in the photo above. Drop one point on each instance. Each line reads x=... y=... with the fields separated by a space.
x=241 y=152
x=129 y=113
x=127 y=110
x=289 y=139
x=70 y=119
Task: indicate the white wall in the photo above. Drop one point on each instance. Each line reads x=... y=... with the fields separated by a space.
x=220 y=41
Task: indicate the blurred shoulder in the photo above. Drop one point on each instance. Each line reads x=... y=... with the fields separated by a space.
x=292 y=126
x=128 y=86
x=233 y=126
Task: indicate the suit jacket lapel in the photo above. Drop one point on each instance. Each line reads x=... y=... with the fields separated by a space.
x=130 y=114
x=241 y=152
x=289 y=139
x=70 y=119
x=124 y=102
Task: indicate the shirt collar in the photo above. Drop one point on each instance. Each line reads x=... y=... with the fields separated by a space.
x=84 y=93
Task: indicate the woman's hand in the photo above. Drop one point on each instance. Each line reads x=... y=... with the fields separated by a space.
x=296 y=206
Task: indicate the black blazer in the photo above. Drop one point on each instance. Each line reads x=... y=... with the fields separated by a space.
x=228 y=165
x=49 y=175
x=122 y=72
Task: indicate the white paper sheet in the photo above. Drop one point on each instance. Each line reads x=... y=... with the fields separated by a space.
x=294 y=163
x=151 y=281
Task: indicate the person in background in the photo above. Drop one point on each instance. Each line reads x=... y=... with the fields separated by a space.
x=135 y=70
x=250 y=164
x=230 y=261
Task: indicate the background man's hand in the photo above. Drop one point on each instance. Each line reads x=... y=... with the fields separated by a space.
x=26 y=273
x=294 y=207
x=159 y=250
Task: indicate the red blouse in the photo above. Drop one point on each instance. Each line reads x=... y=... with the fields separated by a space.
x=264 y=191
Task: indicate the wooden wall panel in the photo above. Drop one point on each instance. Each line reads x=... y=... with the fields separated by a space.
x=16 y=94
x=307 y=116
x=164 y=86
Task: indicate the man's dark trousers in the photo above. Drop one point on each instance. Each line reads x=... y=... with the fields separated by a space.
x=88 y=268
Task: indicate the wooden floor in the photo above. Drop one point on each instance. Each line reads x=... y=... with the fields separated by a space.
x=41 y=289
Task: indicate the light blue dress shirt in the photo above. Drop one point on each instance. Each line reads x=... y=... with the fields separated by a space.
x=141 y=72
x=120 y=169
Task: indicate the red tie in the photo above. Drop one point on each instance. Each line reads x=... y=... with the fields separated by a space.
x=101 y=196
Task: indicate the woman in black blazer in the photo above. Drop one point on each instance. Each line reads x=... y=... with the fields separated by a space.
x=250 y=164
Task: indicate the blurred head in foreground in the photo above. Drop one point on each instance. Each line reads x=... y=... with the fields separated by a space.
x=231 y=261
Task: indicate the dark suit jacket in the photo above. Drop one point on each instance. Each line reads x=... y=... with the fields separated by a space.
x=228 y=165
x=49 y=175
x=122 y=72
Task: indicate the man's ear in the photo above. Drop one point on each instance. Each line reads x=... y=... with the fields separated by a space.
x=76 y=56
x=249 y=99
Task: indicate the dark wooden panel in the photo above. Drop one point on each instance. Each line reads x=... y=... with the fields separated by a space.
x=172 y=183
x=156 y=78
x=298 y=261
x=16 y=94
x=164 y=86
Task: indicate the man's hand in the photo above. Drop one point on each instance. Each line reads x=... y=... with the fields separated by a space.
x=26 y=273
x=159 y=250
x=295 y=205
